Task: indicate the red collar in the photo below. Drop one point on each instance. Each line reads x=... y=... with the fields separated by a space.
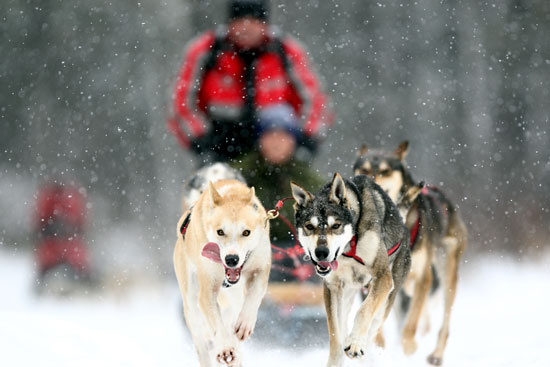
x=352 y=252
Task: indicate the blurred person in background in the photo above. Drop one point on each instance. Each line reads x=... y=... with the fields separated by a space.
x=62 y=255
x=246 y=94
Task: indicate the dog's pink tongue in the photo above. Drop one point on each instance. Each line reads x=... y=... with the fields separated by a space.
x=333 y=264
x=212 y=251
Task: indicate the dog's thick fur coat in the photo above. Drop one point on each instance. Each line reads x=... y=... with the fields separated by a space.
x=326 y=223
x=221 y=298
x=440 y=241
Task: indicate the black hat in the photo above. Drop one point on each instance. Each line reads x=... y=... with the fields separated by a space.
x=243 y=8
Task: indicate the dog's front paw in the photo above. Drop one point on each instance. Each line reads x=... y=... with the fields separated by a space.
x=355 y=347
x=407 y=341
x=228 y=356
x=244 y=327
x=379 y=339
x=434 y=360
x=409 y=345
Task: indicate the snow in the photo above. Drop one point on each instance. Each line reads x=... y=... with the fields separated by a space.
x=500 y=319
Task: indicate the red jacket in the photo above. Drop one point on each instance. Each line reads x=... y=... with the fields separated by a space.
x=217 y=92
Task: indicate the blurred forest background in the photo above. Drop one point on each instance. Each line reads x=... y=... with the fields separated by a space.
x=86 y=88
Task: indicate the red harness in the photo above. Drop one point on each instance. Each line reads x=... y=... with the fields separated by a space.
x=414 y=230
x=185 y=223
x=353 y=251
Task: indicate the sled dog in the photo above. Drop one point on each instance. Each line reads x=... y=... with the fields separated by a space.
x=438 y=239
x=198 y=182
x=222 y=260
x=356 y=239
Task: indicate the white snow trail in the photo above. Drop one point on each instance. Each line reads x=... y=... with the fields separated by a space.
x=500 y=318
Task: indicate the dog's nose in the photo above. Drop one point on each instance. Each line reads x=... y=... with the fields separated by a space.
x=231 y=260
x=321 y=252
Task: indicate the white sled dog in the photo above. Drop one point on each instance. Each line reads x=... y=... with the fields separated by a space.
x=222 y=260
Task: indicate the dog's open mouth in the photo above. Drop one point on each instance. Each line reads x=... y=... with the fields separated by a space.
x=232 y=275
x=323 y=268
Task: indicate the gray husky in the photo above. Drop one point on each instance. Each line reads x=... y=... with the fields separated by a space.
x=356 y=239
x=438 y=240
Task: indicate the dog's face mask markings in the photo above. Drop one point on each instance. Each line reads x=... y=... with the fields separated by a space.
x=324 y=224
x=386 y=169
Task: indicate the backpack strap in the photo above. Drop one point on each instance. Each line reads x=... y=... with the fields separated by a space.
x=276 y=46
x=219 y=40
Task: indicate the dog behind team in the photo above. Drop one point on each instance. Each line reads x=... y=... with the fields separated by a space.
x=438 y=238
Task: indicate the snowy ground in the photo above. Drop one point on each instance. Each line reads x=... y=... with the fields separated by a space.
x=501 y=318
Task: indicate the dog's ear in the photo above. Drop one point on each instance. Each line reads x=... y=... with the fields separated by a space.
x=408 y=198
x=299 y=194
x=362 y=150
x=338 y=190
x=215 y=197
x=251 y=194
x=402 y=150
x=414 y=191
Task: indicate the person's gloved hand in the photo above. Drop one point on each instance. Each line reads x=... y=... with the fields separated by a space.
x=277 y=146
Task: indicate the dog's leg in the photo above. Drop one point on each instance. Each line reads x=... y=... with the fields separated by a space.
x=422 y=273
x=425 y=322
x=379 y=338
x=194 y=318
x=225 y=343
x=400 y=271
x=348 y=295
x=453 y=253
x=256 y=287
x=201 y=339
x=377 y=322
x=379 y=289
x=333 y=299
x=421 y=290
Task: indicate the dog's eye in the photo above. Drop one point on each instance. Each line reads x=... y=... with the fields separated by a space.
x=365 y=172
x=336 y=225
x=221 y=232
x=246 y=233
x=310 y=227
x=385 y=172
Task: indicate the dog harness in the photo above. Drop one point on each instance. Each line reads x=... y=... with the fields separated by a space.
x=414 y=230
x=185 y=224
x=353 y=250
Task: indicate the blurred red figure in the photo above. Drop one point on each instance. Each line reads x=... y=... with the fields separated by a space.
x=61 y=214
